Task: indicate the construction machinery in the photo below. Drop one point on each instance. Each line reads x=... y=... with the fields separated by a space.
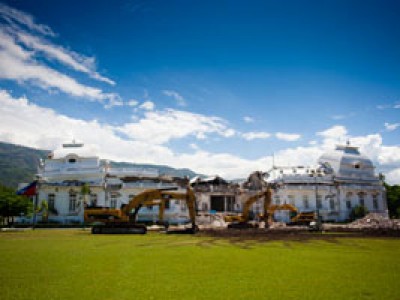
x=300 y=218
x=243 y=220
x=304 y=218
x=124 y=220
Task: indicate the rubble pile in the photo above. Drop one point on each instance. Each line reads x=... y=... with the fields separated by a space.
x=211 y=221
x=375 y=221
x=274 y=225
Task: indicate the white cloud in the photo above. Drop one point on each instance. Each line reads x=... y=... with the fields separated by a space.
x=24 y=57
x=289 y=137
x=163 y=126
x=338 y=117
x=132 y=102
x=114 y=102
x=383 y=106
x=174 y=94
x=228 y=133
x=255 y=135
x=393 y=176
x=391 y=126
x=147 y=105
x=342 y=116
x=248 y=119
x=17 y=18
x=298 y=156
x=334 y=132
x=27 y=124
x=194 y=146
x=51 y=129
x=77 y=62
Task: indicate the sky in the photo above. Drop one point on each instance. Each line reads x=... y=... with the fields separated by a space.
x=220 y=87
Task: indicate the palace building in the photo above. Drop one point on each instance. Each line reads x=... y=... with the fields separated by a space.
x=342 y=179
x=64 y=173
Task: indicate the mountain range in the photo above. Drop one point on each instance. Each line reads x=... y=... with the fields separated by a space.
x=19 y=164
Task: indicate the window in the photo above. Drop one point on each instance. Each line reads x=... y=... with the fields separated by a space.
x=51 y=198
x=93 y=199
x=319 y=202
x=361 y=199
x=348 y=204
x=348 y=200
x=306 y=204
x=375 y=201
x=332 y=204
x=291 y=200
x=113 y=202
x=277 y=200
x=230 y=203
x=183 y=206
x=167 y=204
x=72 y=201
x=72 y=160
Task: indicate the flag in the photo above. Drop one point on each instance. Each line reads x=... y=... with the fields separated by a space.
x=29 y=190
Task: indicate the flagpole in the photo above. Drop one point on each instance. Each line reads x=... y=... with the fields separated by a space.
x=35 y=202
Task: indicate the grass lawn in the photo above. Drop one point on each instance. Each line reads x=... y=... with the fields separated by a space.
x=73 y=264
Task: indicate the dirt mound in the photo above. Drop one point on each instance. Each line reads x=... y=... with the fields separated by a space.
x=375 y=221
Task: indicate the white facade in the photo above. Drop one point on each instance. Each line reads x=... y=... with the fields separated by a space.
x=66 y=170
x=342 y=179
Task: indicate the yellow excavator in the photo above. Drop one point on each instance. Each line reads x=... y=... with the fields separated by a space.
x=304 y=218
x=275 y=207
x=124 y=221
x=242 y=221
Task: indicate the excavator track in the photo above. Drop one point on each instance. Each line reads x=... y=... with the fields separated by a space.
x=122 y=228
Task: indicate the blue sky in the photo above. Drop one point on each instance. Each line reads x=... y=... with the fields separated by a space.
x=216 y=86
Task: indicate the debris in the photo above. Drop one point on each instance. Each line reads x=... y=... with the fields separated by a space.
x=375 y=221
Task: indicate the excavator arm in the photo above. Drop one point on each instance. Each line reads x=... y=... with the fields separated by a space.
x=267 y=194
x=159 y=197
x=242 y=221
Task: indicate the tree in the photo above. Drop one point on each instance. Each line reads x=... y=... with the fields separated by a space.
x=85 y=192
x=393 y=200
x=44 y=210
x=12 y=205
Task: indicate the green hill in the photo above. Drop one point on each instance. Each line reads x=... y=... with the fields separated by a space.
x=19 y=164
